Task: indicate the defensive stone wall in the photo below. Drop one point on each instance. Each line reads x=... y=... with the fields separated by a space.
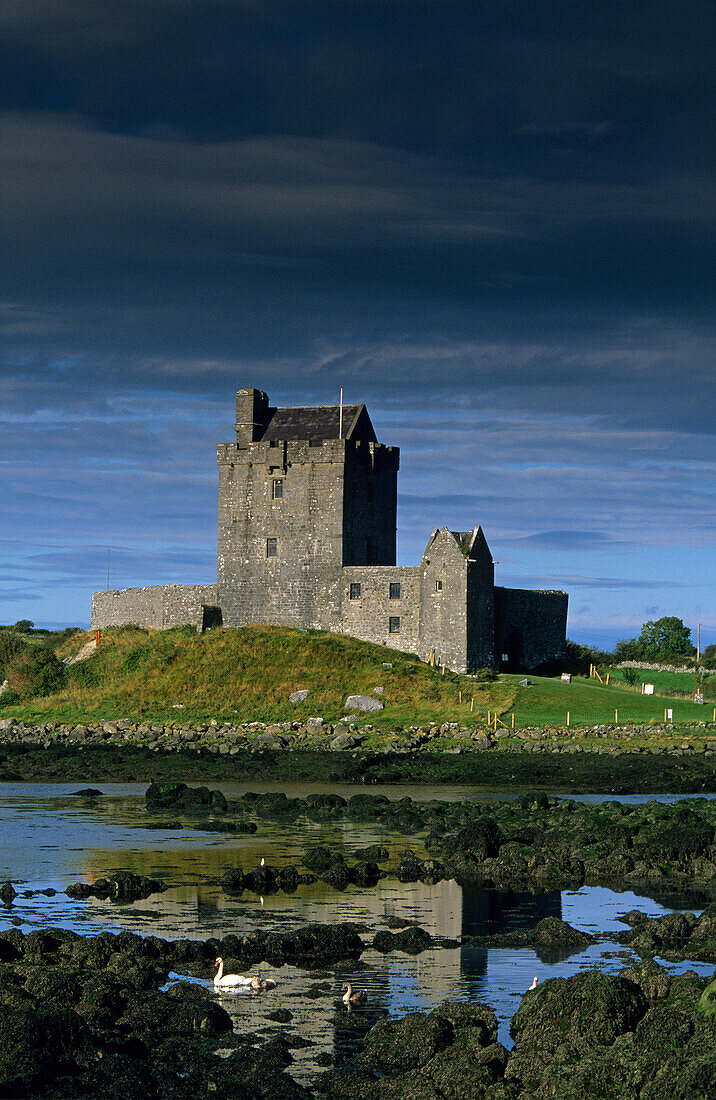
x=530 y=627
x=381 y=604
x=157 y=607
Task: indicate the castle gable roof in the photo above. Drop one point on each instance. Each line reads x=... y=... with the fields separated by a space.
x=319 y=422
x=471 y=544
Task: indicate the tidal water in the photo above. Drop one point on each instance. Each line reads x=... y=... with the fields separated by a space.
x=49 y=839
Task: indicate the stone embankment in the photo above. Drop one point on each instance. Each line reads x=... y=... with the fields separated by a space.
x=315 y=734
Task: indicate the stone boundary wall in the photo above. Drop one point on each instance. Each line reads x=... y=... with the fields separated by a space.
x=314 y=734
x=157 y=607
x=651 y=666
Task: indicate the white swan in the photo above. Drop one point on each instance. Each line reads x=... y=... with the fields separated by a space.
x=228 y=981
x=534 y=984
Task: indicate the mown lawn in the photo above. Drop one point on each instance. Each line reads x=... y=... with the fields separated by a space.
x=547 y=701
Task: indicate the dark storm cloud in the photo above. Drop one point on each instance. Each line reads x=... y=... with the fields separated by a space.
x=489 y=81
x=492 y=222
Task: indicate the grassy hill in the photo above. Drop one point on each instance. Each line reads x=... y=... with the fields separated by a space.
x=248 y=674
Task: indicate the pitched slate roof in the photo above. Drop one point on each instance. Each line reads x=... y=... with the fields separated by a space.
x=319 y=422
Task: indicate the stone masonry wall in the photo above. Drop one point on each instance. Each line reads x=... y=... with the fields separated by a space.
x=530 y=627
x=157 y=607
x=368 y=615
x=336 y=504
x=370 y=504
x=299 y=585
x=443 y=602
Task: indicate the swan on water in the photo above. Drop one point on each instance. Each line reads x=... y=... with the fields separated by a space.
x=354 y=997
x=228 y=981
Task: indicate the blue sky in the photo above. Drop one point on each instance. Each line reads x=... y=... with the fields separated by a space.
x=492 y=222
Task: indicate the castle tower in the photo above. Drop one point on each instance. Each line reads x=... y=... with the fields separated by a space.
x=302 y=492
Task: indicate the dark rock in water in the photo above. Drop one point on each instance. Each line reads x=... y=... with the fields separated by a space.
x=365 y=873
x=217 y=826
x=374 y=853
x=452 y=1052
x=589 y=1010
x=411 y=940
x=87 y=792
x=337 y=876
x=554 y=939
x=325 y=804
x=409 y=868
x=120 y=886
x=307 y=945
x=232 y=881
x=180 y=797
x=321 y=859
x=412 y=869
x=7 y=893
x=676 y=935
x=393 y=1047
x=280 y=1016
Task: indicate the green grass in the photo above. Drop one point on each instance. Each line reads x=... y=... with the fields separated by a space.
x=247 y=675
x=547 y=701
x=666 y=683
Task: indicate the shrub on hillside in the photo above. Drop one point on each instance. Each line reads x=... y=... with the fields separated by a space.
x=580 y=657
x=35 y=671
x=11 y=646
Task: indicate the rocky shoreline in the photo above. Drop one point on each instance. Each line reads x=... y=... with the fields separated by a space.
x=93 y=1016
x=318 y=736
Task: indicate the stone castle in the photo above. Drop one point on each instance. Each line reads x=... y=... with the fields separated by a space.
x=307 y=538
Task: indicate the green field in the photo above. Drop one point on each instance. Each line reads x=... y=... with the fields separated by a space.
x=547 y=701
x=248 y=674
x=666 y=683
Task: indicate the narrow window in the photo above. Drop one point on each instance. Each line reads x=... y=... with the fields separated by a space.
x=271 y=548
x=438 y=586
x=395 y=590
x=355 y=590
x=394 y=624
x=277 y=488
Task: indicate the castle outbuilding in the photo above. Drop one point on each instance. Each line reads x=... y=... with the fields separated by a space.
x=307 y=538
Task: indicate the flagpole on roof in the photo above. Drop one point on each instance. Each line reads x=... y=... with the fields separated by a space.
x=340 y=417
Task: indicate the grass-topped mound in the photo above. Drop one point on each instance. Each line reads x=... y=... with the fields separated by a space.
x=248 y=675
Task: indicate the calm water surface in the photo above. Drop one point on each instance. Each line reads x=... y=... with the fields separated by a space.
x=50 y=839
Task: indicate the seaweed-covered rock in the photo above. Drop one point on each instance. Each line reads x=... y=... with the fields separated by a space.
x=393 y=1047
x=374 y=853
x=588 y=1010
x=7 y=893
x=181 y=798
x=38 y=1044
x=119 y=886
x=411 y=940
x=707 y=1002
x=321 y=859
